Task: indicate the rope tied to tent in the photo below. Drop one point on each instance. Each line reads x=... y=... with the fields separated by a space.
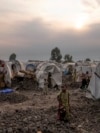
x=97 y=75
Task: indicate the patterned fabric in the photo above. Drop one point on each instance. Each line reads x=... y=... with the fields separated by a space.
x=63 y=110
x=2 y=82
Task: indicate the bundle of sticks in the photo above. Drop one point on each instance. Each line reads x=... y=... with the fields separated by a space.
x=28 y=74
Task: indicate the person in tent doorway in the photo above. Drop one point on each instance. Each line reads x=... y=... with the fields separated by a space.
x=64 y=106
x=49 y=80
x=45 y=89
x=88 y=78
x=84 y=82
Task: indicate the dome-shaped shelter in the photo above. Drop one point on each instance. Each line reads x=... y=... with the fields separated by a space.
x=44 y=69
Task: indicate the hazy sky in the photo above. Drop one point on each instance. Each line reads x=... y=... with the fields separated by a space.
x=32 y=28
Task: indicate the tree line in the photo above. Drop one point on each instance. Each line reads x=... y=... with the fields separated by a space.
x=55 y=56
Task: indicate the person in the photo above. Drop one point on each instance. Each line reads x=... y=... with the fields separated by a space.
x=35 y=79
x=74 y=76
x=84 y=82
x=45 y=89
x=64 y=107
x=88 y=78
x=56 y=87
x=49 y=80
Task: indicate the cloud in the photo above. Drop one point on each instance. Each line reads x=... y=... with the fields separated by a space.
x=22 y=31
x=18 y=10
x=98 y=1
x=90 y=4
x=35 y=39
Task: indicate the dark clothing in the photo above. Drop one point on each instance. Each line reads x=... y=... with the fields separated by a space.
x=49 y=80
x=84 y=84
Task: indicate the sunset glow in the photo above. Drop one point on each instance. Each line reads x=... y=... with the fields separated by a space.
x=81 y=21
x=63 y=12
x=40 y=25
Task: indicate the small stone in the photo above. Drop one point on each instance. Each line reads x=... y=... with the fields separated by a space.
x=84 y=131
x=1 y=130
x=26 y=129
x=72 y=126
x=10 y=130
x=79 y=126
x=25 y=120
x=2 y=124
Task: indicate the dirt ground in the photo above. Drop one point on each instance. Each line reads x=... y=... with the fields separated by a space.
x=36 y=111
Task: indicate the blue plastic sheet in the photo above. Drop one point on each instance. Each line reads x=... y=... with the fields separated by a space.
x=65 y=72
x=6 y=91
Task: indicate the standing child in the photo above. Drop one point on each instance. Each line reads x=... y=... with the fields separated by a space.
x=64 y=107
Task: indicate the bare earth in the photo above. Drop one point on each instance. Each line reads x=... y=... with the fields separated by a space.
x=36 y=111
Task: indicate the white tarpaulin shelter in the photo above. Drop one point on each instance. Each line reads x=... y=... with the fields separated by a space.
x=94 y=86
x=43 y=70
x=66 y=66
x=82 y=69
x=16 y=66
x=9 y=64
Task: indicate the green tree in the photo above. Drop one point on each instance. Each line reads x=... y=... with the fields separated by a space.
x=68 y=58
x=12 y=57
x=56 y=55
x=87 y=59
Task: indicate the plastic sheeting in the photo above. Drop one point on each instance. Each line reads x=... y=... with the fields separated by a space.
x=19 y=66
x=30 y=67
x=82 y=69
x=8 y=75
x=6 y=91
x=43 y=71
x=94 y=86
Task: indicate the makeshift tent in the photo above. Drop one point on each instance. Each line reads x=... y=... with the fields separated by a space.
x=82 y=69
x=94 y=86
x=9 y=66
x=19 y=65
x=68 y=67
x=16 y=67
x=30 y=67
x=43 y=70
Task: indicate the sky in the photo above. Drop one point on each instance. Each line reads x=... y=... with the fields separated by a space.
x=32 y=28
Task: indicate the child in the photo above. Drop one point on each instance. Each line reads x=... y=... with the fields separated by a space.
x=64 y=107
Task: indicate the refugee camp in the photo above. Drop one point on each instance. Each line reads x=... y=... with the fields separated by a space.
x=49 y=66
